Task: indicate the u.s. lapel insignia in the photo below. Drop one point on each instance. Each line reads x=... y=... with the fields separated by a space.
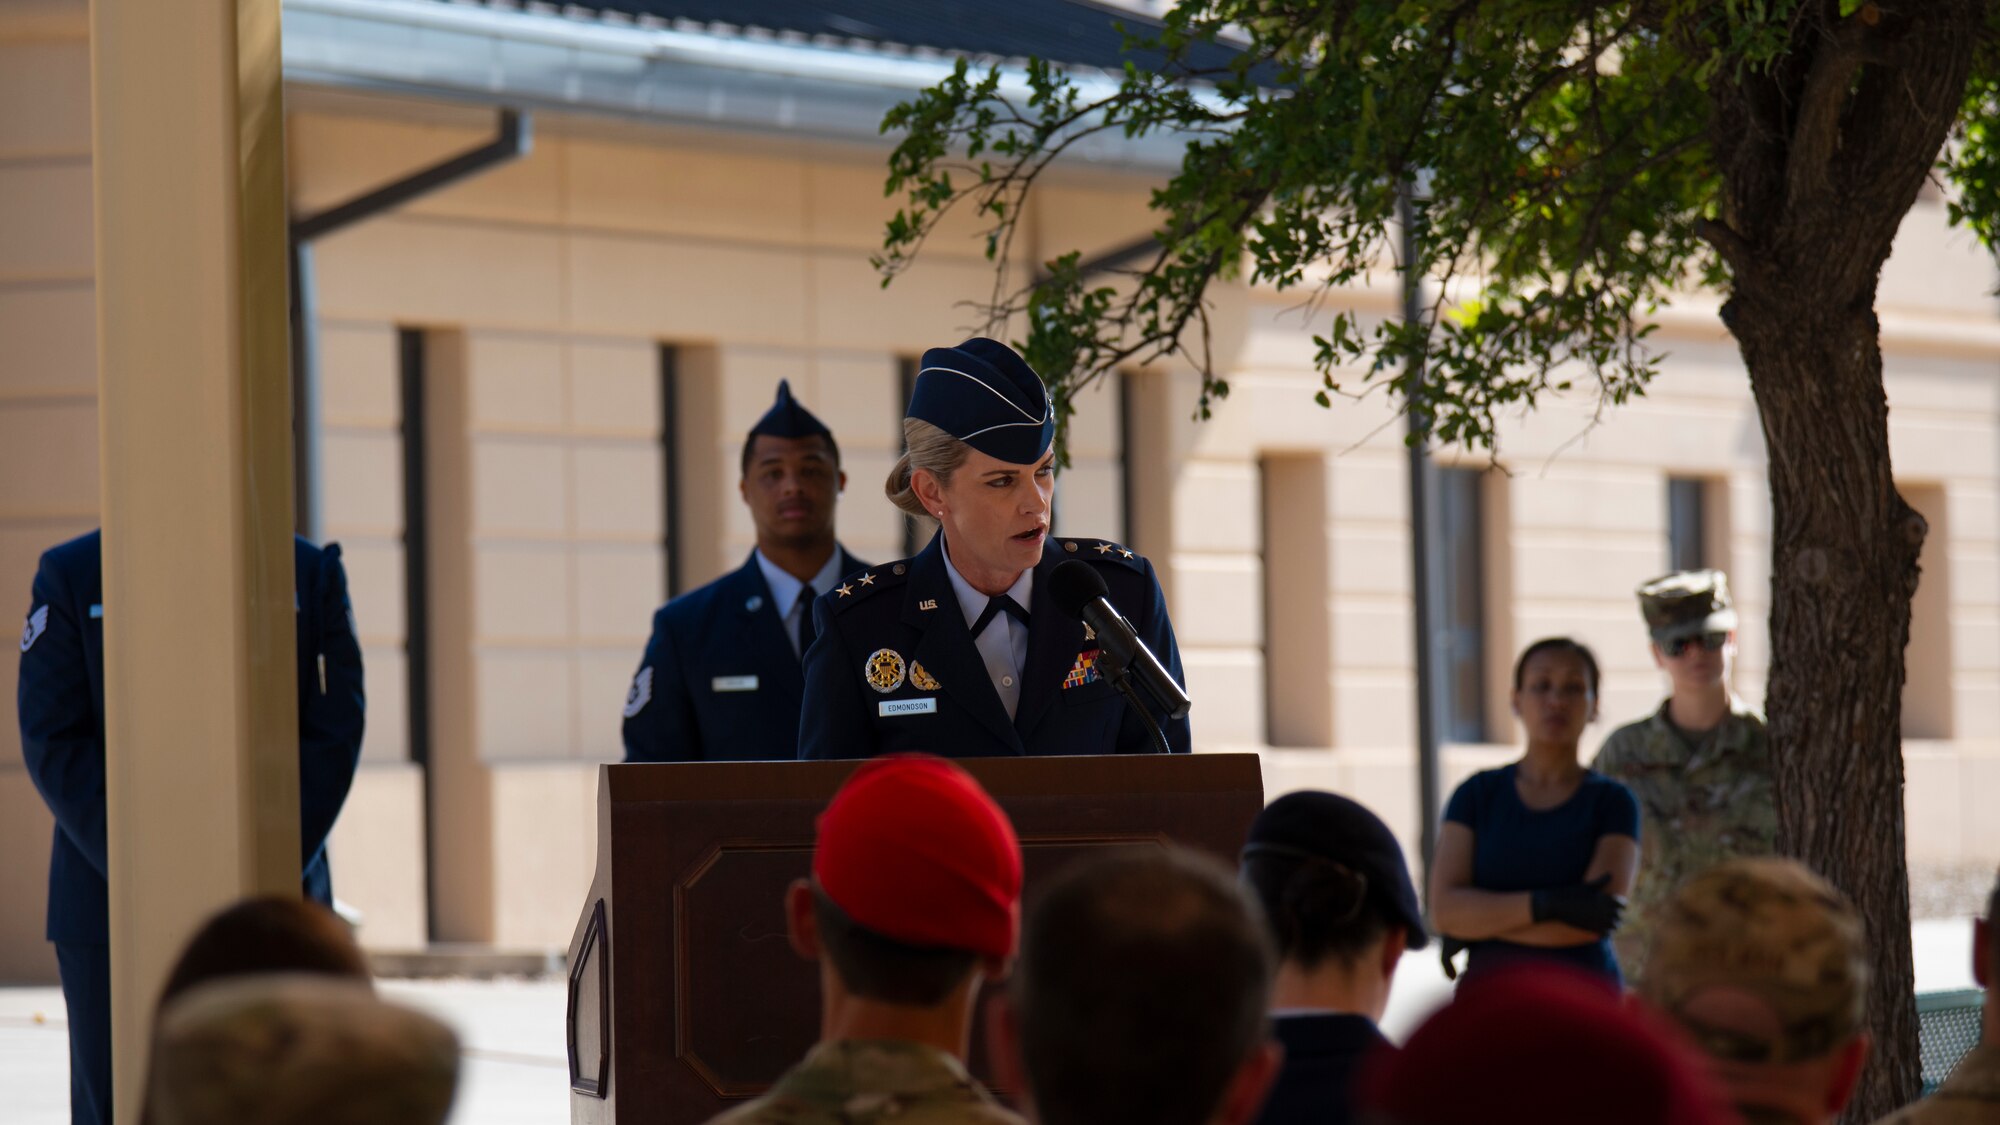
x=755 y=603
x=1084 y=671
x=927 y=604
x=642 y=691
x=884 y=670
x=920 y=679
x=36 y=625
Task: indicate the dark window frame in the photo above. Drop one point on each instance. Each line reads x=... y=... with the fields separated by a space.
x=1687 y=523
x=1463 y=632
x=672 y=512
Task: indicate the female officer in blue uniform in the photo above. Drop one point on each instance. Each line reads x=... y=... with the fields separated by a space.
x=961 y=650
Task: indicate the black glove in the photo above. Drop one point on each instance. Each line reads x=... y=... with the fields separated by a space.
x=1587 y=906
x=1448 y=950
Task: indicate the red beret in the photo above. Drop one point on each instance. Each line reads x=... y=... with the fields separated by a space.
x=1546 y=1044
x=913 y=849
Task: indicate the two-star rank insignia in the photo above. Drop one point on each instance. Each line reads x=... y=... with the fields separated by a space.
x=845 y=589
x=867 y=580
x=1104 y=548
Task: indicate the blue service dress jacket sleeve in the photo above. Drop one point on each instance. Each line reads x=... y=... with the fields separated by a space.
x=60 y=703
x=58 y=700
x=719 y=680
x=333 y=706
x=894 y=667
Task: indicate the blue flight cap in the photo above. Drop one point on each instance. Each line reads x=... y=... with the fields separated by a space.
x=984 y=394
x=787 y=419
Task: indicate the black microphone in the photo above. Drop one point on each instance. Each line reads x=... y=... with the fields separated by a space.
x=1079 y=591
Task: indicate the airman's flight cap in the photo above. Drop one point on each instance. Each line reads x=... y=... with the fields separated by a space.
x=788 y=419
x=984 y=394
x=1687 y=603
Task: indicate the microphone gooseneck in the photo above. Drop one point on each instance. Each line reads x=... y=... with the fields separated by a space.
x=1078 y=590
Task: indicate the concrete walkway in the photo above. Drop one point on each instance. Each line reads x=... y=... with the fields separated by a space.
x=512 y=1031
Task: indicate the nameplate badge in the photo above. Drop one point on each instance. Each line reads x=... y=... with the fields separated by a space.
x=733 y=683
x=889 y=708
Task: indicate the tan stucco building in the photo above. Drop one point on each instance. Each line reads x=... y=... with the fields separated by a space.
x=580 y=337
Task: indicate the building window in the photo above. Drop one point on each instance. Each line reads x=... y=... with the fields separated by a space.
x=1298 y=629
x=1462 y=647
x=916 y=532
x=416 y=543
x=670 y=491
x=1687 y=523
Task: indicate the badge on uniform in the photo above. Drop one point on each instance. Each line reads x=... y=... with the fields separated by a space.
x=733 y=683
x=921 y=679
x=37 y=624
x=1084 y=671
x=642 y=691
x=884 y=670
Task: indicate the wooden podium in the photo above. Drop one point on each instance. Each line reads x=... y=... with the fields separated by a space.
x=684 y=994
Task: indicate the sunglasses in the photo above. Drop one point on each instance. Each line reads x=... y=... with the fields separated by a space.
x=1713 y=642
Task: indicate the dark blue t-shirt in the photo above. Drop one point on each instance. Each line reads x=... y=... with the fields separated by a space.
x=1515 y=848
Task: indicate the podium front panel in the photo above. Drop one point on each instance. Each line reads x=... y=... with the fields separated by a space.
x=685 y=995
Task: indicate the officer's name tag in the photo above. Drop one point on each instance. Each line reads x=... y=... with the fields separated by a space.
x=733 y=683
x=890 y=708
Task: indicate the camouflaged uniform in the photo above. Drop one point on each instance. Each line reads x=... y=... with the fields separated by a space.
x=1764 y=933
x=1704 y=799
x=860 y=1082
x=1971 y=1096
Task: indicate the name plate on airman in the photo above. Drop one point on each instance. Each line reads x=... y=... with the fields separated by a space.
x=891 y=707
x=733 y=683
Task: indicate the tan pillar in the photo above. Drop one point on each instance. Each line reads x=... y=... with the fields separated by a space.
x=194 y=416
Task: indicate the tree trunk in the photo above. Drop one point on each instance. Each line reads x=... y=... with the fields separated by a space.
x=1844 y=550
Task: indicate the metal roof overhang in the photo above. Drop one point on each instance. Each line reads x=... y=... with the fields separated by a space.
x=660 y=74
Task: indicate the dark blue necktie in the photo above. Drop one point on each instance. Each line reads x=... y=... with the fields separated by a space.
x=806 y=630
x=992 y=610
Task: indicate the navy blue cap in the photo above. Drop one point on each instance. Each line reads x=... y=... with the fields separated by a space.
x=787 y=419
x=984 y=394
x=1311 y=825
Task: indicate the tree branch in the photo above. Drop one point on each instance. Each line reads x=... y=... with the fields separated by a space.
x=1822 y=103
x=1734 y=249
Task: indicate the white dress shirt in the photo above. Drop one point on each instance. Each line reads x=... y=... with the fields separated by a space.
x=785 y=591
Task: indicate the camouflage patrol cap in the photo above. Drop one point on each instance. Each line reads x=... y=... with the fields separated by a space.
x=1760 y=960
x=283 y=1049
x=1687 y=603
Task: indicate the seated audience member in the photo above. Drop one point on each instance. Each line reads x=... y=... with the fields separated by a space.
x=267 y=934
x=1140 y=997
x=1342 y=910
x=260 y=936
x=1972 y=1094
x=913 y=904
x=1763 y=964
x=298 y=1050
x=1542 y=1043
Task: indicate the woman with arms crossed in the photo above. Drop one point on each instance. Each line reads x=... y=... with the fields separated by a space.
x=1535 y=859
